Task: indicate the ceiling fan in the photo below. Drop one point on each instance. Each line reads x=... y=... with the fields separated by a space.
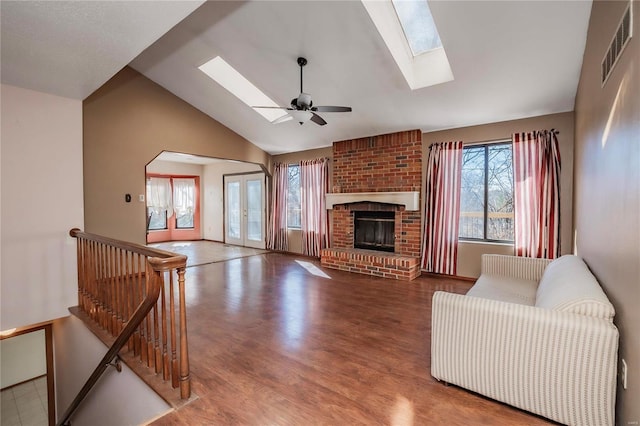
x=302 y=108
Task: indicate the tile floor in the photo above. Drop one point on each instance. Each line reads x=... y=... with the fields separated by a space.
x=25 y=404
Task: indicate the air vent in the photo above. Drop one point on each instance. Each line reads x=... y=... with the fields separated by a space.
x=619 y=42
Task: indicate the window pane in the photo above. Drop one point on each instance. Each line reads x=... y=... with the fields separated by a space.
x=157 y=220
x=233 y=203
x=184 y=220
x=472 y=193
x=254 y=210
x=293 y=198
x=418 y=25
x=500 y=193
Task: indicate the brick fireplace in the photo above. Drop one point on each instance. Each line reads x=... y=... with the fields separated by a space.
x=380 y=173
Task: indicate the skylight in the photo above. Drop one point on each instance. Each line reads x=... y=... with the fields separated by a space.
x=417 y=24
x=415 y=44
x=226 y=76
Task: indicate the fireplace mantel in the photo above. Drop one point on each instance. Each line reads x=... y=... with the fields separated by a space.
x=411 y=199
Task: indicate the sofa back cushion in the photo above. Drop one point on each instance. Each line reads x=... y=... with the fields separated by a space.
x=568 y=285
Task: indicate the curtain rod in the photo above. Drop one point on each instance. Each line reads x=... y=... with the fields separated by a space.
x=501 y=140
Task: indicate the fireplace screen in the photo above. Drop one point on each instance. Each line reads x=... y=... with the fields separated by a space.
x=374 y=230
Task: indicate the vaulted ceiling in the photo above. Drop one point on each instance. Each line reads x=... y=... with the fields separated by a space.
x=509 y=60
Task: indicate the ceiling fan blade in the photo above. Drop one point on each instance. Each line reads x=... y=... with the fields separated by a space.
x=331 y=109
x=317 y=119
x=273 y=107
x=282 y=119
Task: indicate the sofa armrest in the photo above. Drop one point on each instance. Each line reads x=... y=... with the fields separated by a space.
x=527 y=268
x=556 y=364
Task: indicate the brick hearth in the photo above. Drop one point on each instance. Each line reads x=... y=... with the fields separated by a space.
x=385 y=163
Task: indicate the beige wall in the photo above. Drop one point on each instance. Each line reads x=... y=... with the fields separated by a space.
x=295 y=235
x=607 y=184
x=127 y=122
x=469 y=254
x=41 y=201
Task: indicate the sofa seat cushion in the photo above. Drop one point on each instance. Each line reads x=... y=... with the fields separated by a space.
x=505 y=289
x=568 y=285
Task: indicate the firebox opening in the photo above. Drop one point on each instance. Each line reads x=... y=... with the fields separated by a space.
x=374 y=230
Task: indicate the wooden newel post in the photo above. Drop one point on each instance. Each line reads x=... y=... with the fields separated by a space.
x=185 y=380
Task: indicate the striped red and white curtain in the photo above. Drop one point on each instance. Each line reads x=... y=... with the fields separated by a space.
x=277 y=237
x=314 y=184
x=442 y=208
x=536 y=176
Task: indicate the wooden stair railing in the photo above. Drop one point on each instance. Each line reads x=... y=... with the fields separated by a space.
x=121 y=289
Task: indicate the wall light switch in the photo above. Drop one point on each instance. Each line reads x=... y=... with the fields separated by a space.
x=141 y=198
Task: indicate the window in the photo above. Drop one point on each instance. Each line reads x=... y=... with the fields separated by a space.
x=293 y=197
x=417 y=25
x=157 y=221
x=184 y=201
x=486 y=198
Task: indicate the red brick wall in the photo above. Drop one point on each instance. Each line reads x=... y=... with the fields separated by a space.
x=385 y=163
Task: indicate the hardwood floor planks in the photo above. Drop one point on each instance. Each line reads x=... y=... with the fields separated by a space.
x=274 y=342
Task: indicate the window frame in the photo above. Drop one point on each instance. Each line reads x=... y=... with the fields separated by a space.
x=485 y=146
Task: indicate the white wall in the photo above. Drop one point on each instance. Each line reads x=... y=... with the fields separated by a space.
x=22 y=358
x=117 y=399
x=212 y=216
x=42 y=199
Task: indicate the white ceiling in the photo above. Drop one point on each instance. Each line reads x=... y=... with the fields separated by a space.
x=510 y=59
x=71 y=48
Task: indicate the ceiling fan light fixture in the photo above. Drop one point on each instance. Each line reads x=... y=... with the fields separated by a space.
x=301 y=116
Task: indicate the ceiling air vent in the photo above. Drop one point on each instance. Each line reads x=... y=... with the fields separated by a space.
x=619 y=42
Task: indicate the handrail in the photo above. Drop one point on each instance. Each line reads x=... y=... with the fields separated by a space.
x=100 y=262
x=141 y=312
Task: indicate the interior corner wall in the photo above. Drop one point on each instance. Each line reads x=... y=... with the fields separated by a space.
x=470 y=253
x=295 y=235
x=607 y=184
x=127 y=123
x=41 y=201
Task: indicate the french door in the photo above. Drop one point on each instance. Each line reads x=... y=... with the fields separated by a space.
x=244 y=211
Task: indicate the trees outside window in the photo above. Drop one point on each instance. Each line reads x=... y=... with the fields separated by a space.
x=293 y=197
x=486 y=199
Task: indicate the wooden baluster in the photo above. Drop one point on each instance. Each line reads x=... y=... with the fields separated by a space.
x=84 y=278
x=130 y=295
x=80 y=273
x=165 y=355
x=185 y=381
x=140 y=340
x=121 y=293
x=114 y=292
x=90 y=279
x=147 y=320
x=103 y=285
x=156 y=329
x=174 y=344
x=100 y=288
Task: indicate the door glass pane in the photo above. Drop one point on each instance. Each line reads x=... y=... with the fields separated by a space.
x=254 y=210
x=233 y=206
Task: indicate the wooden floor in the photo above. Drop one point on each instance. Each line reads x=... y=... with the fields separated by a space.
x=276 y=340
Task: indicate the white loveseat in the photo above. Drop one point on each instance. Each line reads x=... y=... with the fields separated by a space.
x=533 y=333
